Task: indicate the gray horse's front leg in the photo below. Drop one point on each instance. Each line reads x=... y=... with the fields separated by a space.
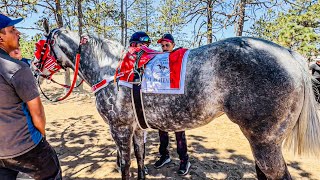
x=123 y=138
x=139 y=151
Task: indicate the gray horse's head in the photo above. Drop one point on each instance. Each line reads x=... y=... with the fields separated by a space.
x=97 y=55
x=64 y=44
x=55 y=50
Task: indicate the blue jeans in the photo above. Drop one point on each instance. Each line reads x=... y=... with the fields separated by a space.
x=41 y=163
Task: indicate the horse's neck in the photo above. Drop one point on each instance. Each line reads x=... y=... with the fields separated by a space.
x=100 y=60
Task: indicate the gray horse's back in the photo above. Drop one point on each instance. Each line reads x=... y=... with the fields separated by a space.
x=247 y=78
x=258 y=80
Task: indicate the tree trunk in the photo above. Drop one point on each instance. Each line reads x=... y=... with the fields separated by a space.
x=126 y=25
x=209 y=21
x=60 y=24
x=122 y=22
x=59 y=14
x=147 y=22
x=80 y=17
x=242 y=12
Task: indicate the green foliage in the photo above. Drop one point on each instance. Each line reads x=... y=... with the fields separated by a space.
x=297 y=29
x=141 y=16
x=16 y=8
x=27 y=45
x=101 y=18
x=172 y=20
x=295 y=25
x=172 y=14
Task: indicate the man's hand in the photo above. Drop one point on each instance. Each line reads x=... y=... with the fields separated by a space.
x=37 y=113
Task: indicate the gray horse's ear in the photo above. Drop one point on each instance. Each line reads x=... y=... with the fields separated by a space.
x=45 y=24
x=84 y=38
x=85 y=35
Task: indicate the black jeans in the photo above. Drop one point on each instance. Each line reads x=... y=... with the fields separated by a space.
x=181 y=144
x=317 y=86
x=41 y=163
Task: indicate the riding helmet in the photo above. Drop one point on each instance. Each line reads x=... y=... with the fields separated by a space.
x=140 y=37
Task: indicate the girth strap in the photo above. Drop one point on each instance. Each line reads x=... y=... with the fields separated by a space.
x=136 y=95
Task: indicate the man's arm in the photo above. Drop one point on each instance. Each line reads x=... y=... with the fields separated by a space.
x=37 y=113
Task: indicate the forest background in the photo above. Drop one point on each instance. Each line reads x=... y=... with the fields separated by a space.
x=294 y=24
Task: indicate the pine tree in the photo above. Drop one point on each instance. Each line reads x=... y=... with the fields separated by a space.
x=297 y=29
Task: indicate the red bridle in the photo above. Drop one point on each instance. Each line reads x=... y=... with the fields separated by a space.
x=47 y=61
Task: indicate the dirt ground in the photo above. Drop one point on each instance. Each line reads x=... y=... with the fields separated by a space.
x=87 y=152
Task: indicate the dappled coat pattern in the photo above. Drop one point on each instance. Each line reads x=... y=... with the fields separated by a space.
x=259 y=85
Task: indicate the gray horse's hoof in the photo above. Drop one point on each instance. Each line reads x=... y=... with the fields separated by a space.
x=146 y=170
x=142 y=173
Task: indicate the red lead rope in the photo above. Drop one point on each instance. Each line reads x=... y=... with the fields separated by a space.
x=76 y=70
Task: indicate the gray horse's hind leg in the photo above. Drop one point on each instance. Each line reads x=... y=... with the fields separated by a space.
x=262 y=176
x=269 y=161
x=139 y=151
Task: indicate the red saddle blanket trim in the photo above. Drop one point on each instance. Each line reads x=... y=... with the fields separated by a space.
x=126 y=65
x=175 y=64
x=125 y=70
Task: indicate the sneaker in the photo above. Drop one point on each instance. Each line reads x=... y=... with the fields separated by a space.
x=184 y=168
x=162 y=161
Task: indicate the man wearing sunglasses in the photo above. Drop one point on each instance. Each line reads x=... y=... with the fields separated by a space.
x=167 y=42
x=167 y=45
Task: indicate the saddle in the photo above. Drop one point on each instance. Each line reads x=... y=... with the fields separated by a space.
x=131 y=69
x=136 y=58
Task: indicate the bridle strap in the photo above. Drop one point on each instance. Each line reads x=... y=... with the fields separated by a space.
x=44 y=49
x=77 y=62
x=76 y=70
x=64 y=85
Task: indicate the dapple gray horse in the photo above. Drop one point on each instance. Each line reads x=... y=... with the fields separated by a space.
x=264 y=88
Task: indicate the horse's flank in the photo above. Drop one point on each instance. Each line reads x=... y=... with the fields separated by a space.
x=228 y=76
x=218 y=72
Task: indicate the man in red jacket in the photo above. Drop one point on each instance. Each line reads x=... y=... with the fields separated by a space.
x=167 y=45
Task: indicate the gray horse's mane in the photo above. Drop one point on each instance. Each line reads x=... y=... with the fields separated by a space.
x=105 y=47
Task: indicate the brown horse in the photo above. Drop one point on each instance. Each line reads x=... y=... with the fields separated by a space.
x=264 y=88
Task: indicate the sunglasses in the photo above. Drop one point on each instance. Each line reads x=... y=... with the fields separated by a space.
x=165 y=45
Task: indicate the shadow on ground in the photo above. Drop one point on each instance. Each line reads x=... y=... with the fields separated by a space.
x=91 y=150
x=87 y=152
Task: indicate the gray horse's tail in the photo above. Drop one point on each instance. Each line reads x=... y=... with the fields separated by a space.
x=305 y=136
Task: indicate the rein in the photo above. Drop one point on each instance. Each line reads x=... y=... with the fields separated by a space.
x=42 y=63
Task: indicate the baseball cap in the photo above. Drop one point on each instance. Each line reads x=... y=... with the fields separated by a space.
x=166 y=37
x=5 y=21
